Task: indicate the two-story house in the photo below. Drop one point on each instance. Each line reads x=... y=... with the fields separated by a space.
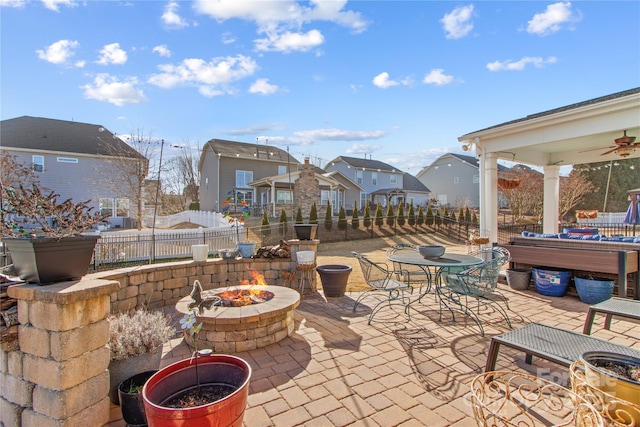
x=78 y=161
x=227 y=168
x=380 y=182
x=454 y=180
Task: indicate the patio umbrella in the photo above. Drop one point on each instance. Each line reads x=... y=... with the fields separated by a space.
x=633 y=213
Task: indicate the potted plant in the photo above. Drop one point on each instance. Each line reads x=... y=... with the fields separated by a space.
x=245 y=248
x=44 y=236
x=130 y=397
x=135 y=342
x=205 y=390
x=615 y=374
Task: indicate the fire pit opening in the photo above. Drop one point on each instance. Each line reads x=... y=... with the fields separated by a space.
x=241 y=297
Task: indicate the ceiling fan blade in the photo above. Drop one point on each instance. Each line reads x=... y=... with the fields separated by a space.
x=597 y=148
x=610 y=151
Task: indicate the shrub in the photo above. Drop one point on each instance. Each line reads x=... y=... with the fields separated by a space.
x=283 y=221
x=429 y=219
x=265 y=229
x=420 y=219
x=412 y=215
x=313 y=215
x=391 y=216
x=366 y=216
x=342 y=219
x=299 y=219
x=139 y=333
x=379 y=221
x=328 y=220
x=401 y=219
x=355 y=220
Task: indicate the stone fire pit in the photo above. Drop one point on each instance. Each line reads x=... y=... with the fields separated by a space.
x=247 y=327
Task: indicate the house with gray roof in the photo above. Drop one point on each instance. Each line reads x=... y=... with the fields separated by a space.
x=380 y=182
x=78 y=161
x=227 y=168
x=454 y=180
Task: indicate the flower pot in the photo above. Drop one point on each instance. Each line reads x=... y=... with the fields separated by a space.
x=246 y=249
x=334 y=279
x=216 y=370
x=130 y=396
x=552 y=283
x=593 y=291
x=305 y=231
x=120 y=370
x=609 y=381
x=45 y=260
x=200 y=252
x=518 y=279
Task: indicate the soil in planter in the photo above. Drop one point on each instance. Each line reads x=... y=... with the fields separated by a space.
x=207 y=393
x=622 y=370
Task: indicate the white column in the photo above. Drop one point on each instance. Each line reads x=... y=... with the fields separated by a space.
x=551 y=203
x=489 y=195
x=273 y=198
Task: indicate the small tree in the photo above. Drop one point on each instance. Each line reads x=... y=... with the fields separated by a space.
x=391 y=216
x=379 y=221
x=412 y=215
x=265 y=229
x=438 y=218
x=401 y=219
x=467 y=214
x=355 y=220
x=453 y=216
x=313 y=215
x=342 y=219
x=445 y=217
x=429 y=219
x=461 y=215
x=299 y=219
x=283 y=222
x=420 y=219
x=328 y=220
x=366 y=216
x=474 y=218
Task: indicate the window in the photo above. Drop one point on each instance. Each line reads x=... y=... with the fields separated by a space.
x=38 y=163
x=284 y=196
x=456 y=180
x=393 y=179
x=364 y=198
x=206 y=183
x=282 y=170
x=325 y=196
x=243 y=178
x=359 y=177
x=374 y=178
x=106 y=207
x=247 y=196
x=67 y=160
x=476 y=179
x=122 y=207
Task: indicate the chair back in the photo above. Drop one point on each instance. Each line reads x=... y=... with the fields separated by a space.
x=376 y=274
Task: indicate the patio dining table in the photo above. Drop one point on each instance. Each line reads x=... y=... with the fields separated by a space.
x=433 y=267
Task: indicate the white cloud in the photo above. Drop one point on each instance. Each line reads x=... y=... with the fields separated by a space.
x=162 y=50
x=520 y=65
x=58 y=52
x=362 y=149
x=382 y=81
x=228 y=38
x=210 y=76
x=263 y=87
x=339 y=135
x=53 y=4
x=80 y=64
x=287 y=12
x=110 y=89
x=457 y=23
x=112 y=54
x=12 y=3
x=437 y=77
x=289 y=42
x=551 y=20
x=171 y=18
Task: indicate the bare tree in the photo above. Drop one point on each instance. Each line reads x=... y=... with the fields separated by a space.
x=13 y=174
x=527 y=198
x=573 y=189
x=130 y=161
x=181 y=177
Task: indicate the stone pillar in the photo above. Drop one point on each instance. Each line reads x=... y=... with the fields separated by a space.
x=307 y=189
x=62 y=337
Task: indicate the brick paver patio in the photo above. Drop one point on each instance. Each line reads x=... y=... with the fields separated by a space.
x=335 y=370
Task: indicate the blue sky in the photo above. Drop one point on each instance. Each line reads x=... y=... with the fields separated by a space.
x=396 y=80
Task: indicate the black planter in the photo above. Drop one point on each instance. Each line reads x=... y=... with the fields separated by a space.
x=334 y=279
x=44 y=260
x=305 y=231
x=131 y=403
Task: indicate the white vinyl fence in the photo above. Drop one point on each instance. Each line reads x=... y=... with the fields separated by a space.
x=130 y=246
x=605 y=218
x=204 y=218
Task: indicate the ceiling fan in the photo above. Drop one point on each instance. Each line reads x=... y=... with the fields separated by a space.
x=625 y=145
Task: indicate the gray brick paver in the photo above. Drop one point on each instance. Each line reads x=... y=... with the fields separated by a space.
x=295 y=396
x=341 y=417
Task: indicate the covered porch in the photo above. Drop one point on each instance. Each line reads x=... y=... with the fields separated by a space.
x=574 y=134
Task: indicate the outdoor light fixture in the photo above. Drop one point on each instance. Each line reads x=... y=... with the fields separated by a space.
x=467 y=146
x=625 y=150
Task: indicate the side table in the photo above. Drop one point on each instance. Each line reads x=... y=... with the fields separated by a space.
x=306 y=276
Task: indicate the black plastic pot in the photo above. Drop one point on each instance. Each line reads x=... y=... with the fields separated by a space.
x=334 y=279
x=131 y=403
x=305 y=231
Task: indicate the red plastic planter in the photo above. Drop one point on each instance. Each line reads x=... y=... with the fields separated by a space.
x=213 y=369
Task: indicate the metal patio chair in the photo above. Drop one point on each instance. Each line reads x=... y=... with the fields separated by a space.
x=412 y=275
x=382 y=281
x=468 y=289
